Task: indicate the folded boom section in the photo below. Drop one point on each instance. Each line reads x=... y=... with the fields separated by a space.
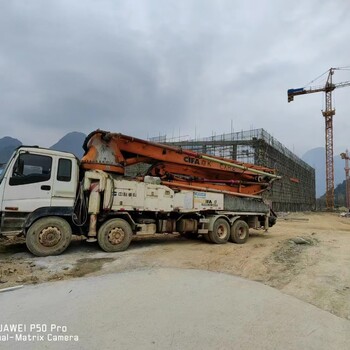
x=176 y=167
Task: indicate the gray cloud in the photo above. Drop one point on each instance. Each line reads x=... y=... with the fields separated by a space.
x=170 y=67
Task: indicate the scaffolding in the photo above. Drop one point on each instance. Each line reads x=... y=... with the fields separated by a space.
x=294 y=192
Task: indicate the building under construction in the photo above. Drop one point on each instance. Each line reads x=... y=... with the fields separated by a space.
x=294 y=192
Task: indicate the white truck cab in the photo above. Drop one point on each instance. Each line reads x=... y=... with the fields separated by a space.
x=36 y=179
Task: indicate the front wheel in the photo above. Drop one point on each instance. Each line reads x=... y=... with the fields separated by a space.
x=49 y=236
x=239 y=232
x=114 y=235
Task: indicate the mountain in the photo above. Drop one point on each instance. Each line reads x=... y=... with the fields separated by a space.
x=316 y=157
x=339 y=197
x=72 y=142
x=7 y=146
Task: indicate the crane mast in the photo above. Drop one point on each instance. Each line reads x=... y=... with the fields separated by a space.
x=328 y=114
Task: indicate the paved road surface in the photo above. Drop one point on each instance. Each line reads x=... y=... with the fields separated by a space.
x=166 y=309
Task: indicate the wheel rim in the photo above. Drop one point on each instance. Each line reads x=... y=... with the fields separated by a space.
x=241 y=232
x=116 y=235
x=50 y=236
x=222 y=231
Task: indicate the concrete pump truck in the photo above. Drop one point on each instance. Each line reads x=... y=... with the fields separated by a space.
x=47 y=195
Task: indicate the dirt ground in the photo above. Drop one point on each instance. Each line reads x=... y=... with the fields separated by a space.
x=306 y=255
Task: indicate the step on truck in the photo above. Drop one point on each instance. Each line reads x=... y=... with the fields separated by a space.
x=47 y=195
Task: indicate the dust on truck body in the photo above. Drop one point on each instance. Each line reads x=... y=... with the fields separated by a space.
x=46 y=195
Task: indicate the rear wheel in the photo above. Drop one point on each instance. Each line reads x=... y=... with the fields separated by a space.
x=114 y=235
x=49 y=236
x=221 y=231
x=239 y=232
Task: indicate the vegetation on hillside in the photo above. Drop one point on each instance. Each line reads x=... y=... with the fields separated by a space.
x=339 y=197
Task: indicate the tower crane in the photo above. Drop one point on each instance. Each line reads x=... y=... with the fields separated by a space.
x=345 y=155
x=328 y=114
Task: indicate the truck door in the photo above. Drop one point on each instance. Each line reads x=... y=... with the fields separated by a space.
x=65 y=182
x=28 y=186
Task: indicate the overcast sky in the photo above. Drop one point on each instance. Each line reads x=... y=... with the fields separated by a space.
x=186 y=67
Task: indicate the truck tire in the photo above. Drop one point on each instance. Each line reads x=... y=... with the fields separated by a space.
x=49 y=236
x=239 y=232
x=114 y=235
x=221 y=231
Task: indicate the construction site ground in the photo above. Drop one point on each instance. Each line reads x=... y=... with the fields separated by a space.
x=306 y=255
